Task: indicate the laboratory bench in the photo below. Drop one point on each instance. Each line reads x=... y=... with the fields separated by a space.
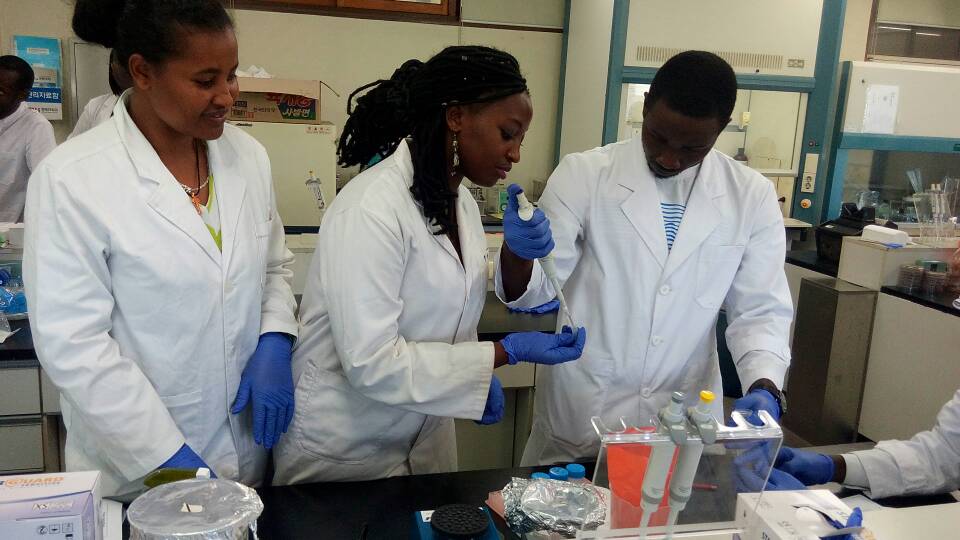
x=19 y=346
x=811 y=261
x=940 y=302
x=33 y=436
x=383 y=509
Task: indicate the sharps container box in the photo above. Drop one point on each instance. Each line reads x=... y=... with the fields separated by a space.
x=58 y=506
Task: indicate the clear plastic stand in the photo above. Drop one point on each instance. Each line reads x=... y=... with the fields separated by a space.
x=638 y=462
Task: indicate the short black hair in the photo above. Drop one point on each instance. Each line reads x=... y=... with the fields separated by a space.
x=697 y=84
x=21 y=68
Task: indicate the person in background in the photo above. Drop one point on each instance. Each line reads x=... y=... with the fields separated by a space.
x=388 y=353
x=100 y=108
x=653 y=236
x=928 y=463
x=154 y=262
x=26 y=137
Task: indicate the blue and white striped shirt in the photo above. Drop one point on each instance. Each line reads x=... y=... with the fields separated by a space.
x=672 y=216
x=674 y=193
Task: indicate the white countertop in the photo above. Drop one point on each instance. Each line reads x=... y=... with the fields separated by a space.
x=791 y=223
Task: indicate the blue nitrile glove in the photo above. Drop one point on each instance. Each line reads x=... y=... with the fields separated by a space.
x=754 y=401
x=808 y=467
x=267 y=381
x=493 y=412
x=549 y=307
x=540 y=348
x=855 y=520
x=751 y=466
x=19 y=303
x=186 y=458
x=526 y=239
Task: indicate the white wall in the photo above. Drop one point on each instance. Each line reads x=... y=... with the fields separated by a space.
x=739 y=27
x=928 y=12
x=348 y=53
x=585 y=83
x=856 y=30
x=548 y=13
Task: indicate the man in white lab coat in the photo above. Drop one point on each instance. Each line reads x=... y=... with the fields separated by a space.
x=652 y=237
x=928 y=463
x=26 y=137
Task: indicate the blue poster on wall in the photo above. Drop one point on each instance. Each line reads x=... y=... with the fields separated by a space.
x=43 y=55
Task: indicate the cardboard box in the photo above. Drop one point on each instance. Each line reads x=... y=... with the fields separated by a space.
x=58 y=506
x=874 y=266
x=277 y=100
x=777 y=516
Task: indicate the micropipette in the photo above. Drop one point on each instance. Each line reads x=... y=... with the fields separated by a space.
x=688 y=459
x=661 y=455
x=525 y=211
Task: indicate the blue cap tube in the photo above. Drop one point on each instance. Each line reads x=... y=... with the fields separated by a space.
x=576 y=471
x=559 y=473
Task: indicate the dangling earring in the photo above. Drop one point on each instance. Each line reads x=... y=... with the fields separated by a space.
x=456 y=155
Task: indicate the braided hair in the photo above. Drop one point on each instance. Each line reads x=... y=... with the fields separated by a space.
x=413 y=102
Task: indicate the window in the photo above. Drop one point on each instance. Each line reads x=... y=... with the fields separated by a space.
x=422 y=10
x=926 y=31
x=881 y=178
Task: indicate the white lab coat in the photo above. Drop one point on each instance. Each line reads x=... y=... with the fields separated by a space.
x=26 y=137
x=651 y=314
x=95 y=112
x=927 y=463
x=388 y=353
x=137 y=317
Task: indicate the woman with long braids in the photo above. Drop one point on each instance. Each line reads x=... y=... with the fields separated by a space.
x=388 y=323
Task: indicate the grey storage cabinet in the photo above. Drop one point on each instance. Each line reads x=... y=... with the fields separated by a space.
x=21 y=420
x=21 y=444
x=831 y=344
x=19 y=390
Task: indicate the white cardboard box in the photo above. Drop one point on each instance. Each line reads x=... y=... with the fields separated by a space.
x=874 y=266
x=778 y=518
x=58 y=506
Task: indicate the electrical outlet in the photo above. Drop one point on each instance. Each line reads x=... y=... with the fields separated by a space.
x=808 y=179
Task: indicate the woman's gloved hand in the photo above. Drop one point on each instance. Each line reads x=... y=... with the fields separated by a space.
x=186 y=458
x=548 y=349
x=267 y=382
x=808 y=467
x=526 y=239
x=493 y=412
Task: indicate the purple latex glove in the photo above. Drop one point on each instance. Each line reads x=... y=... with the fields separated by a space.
x=808 y=467
x=754 y=401
x=186 y=458
x=548 y=349
x=493 y=412
x=267 y=382
x=526 y=239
